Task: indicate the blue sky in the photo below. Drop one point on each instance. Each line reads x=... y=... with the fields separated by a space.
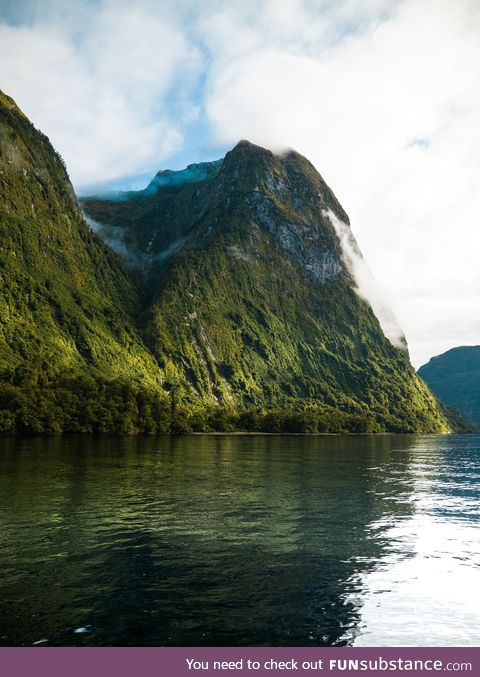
x=383 y=96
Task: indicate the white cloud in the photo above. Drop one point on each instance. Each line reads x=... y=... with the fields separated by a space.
x=366 y=285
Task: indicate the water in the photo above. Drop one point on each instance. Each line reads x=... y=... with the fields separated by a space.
x=240 y=540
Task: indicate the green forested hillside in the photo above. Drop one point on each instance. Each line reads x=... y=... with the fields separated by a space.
x=67 y=303
x=454 y=377
x=232 y=308
x=67 y=300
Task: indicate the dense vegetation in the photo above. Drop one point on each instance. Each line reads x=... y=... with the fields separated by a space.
x=236 y=311
x=81 y=404
x=454 y=377
x=67 y=301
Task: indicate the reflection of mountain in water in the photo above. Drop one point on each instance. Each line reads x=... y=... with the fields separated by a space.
x=226 y=540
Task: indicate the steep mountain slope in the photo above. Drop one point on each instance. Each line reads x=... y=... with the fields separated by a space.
x=455 y=378
x=248 y=301
x=67 y=302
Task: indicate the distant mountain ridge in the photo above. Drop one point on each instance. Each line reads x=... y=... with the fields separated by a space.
x=454 y=376
x=233 y=306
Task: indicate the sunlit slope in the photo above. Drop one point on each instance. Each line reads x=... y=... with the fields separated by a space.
x=67 y=302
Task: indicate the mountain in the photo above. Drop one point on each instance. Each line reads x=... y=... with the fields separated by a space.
x=67 y=302
x=220 y=297
x=249 y=301
x=454 y=377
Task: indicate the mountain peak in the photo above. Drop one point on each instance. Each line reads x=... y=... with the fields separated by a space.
x=247 y=157
x=245 y=143
x=243 y=153
x=244 y=146
x=251 y=188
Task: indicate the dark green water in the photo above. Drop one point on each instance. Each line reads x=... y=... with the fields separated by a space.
x=240 y=540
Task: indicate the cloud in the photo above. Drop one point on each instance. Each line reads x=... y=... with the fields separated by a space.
x=114 y=236
x=366 y=285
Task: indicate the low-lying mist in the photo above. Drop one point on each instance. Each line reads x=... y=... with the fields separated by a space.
x=114 y=237
x=366 y=285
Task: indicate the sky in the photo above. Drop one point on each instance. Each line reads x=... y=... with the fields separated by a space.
x=383 y=96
